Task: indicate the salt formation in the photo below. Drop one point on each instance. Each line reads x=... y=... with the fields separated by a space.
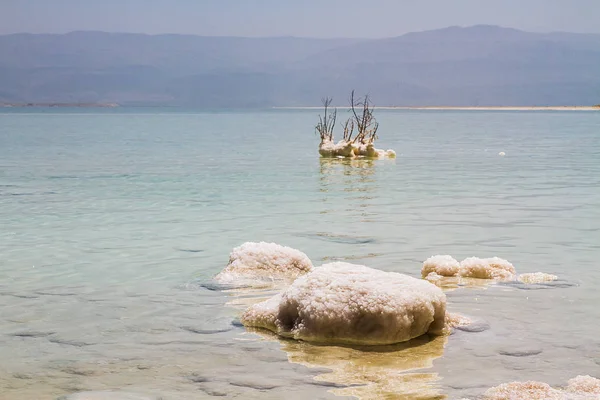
x=472 y=267
x=447 y=273
x=253 y=262
x=361 y=145
x=584 y=384
x=438 y=268
x=523 y=391
x=440 y=265
x=352 y=304
x=455 y=320
x=486 y=268
x=579 y=388
x=537 y=277
x=435 y=278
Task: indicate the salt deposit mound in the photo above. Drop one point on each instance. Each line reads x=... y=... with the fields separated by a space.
x=579 y=388
x=537 y=277
x=349 y=149
x=584 y=384
x=352 y=304
x=486 y=268
x=255 y=262
x=440 y=265
x=436 y=267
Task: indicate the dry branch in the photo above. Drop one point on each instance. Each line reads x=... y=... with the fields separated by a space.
x=366 y=123
x=326 y=123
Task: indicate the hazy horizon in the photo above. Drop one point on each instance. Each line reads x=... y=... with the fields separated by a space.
x=311 y=19
x=300 y=37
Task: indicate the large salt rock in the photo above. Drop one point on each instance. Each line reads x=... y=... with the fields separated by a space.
x=352 y=304
x=440 y=265
x=255 y=262
x=486 y=268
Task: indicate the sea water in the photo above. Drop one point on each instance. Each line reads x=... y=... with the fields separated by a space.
x=113 y=222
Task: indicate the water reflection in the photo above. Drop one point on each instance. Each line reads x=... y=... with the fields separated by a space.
x=366 y=372
x=451 y=283
x=349 y=172
x=244 y=297
x=373 y=372
x=352 y=179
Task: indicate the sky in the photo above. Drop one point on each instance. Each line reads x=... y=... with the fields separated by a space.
x=306 y=18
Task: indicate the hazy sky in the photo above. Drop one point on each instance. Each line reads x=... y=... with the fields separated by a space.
x=314 y=18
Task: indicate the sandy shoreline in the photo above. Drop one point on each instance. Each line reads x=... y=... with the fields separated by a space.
x=470 y=108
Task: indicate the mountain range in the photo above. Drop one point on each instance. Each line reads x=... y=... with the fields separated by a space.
x=473 y=66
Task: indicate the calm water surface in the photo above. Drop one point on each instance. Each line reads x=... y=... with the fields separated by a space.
x=112 y=223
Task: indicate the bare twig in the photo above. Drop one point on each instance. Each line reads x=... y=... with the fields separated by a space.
x=366 y=123
x=326 y=123
x=348 y=131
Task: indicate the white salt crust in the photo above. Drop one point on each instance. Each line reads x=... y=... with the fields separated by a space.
x=259 y=262
x=352 y=304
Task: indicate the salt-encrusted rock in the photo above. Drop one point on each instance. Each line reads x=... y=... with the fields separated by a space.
x=262 y=262
x=440 y=265
x=352 y=304
x=486 y=268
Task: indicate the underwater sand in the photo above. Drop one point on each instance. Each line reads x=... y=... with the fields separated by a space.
x=112 y=223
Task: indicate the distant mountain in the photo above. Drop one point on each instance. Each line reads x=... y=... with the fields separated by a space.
x=479 y=65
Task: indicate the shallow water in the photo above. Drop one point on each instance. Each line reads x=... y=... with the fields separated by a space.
x=112 y=223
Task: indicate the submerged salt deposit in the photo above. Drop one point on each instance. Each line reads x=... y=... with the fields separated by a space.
x=253 y=263
x=352 y=304
x=537 y=277
x=578 y=388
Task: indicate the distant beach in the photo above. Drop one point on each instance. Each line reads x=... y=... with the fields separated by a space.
x=85 y=105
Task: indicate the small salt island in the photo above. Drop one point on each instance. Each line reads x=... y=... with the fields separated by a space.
x=351 y=146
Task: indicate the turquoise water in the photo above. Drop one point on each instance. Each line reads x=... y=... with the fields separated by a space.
x=112 y=223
